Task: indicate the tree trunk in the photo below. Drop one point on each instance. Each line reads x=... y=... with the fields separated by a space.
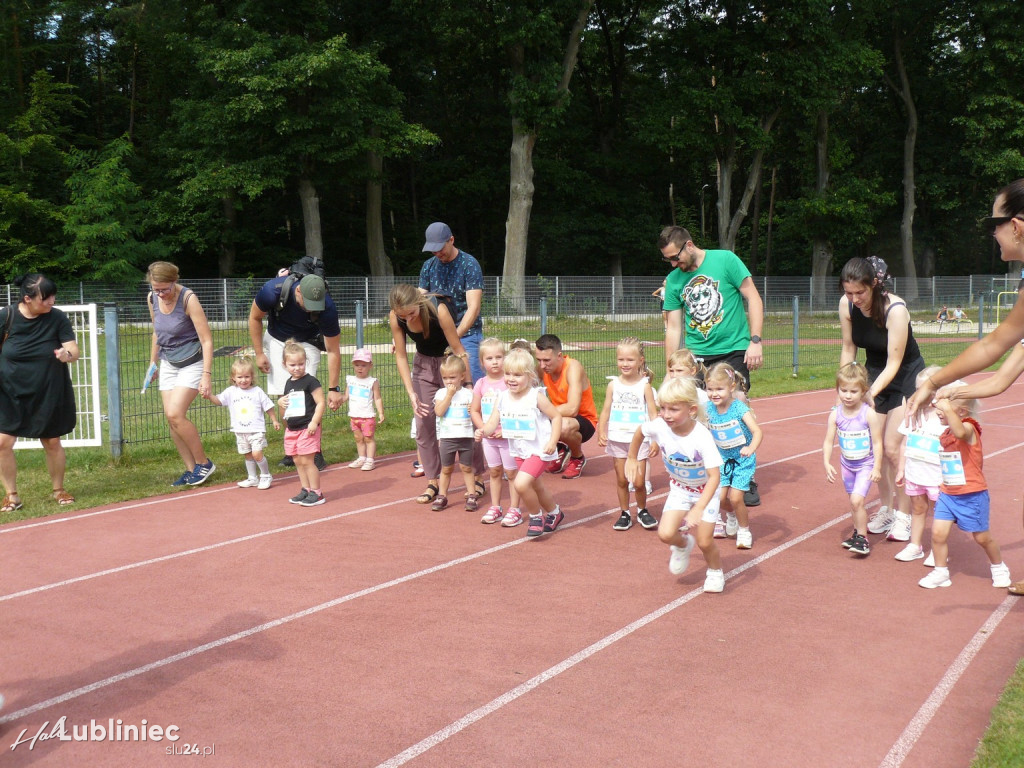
x=311 y=217
x=729 y=223
x=520 y=203
x=909 y=189
x=228 y=250
x=821 y=248
x=380 y=264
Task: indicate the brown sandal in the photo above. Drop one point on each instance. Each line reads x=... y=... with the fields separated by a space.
x=479 y=488
x=428 y=495
x=62 y=497
x=12 y=502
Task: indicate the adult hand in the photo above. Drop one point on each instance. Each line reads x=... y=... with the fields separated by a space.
x=334 y=400
x=754 y=356
x=921 y=399
x=263 y=362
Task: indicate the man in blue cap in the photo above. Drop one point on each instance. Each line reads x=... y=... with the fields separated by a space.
x=455 y=273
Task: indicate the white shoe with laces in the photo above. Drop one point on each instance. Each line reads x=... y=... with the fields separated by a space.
x=909 y=553
x=939 y=577
x=249 y=482
x=900 y=530
x=265 y=482
x=881 y=521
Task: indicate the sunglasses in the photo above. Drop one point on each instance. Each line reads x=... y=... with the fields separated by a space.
x=991 y=223
x=674 y=259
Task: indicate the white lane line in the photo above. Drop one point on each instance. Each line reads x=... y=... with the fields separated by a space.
x=931 y=706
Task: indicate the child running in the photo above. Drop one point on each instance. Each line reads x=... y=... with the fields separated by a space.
x=628 y=403
x=860 y=448
x=362 y=392
x=454 y=432
x=531 y=424
x=694 y=468
x=737 y=435
x=246 y=403
x=963 y=496
x=497 y=454
x=920 y=475
x=302 y=408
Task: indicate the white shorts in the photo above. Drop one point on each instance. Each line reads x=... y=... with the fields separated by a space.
x=680 y=498
x=171 y=376
x=248 y=442
x=278 y=376
x=619 y=450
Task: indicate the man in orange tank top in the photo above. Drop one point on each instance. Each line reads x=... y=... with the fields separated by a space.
x=570 y=392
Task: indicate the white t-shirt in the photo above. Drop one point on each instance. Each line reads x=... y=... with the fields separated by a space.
x=246 y=407
x=922 y=452
x=687 y=457
x=523 y=424
x=360 y=397
x=456 y=422
x=628 y=410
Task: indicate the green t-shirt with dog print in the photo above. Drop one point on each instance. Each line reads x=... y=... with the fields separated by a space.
x=714 y=318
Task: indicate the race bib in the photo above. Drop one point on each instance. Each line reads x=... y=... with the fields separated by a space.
x=952 y=465
x=691 y=474
x=296 y=405
x=855 y=444
x=923 y=448
x=624 y=420
x=518 y=427
x=729 y=434
x=356 y=392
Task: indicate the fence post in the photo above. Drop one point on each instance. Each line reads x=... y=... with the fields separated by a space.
x=981 y=315
x=112 y=336
x=497 y=299
x=359 y=324
x=933 y=290
x=366 y=293
x=542 y=305
x=810 y=303
x=224 y=296
x=557 y=310
x=796 y=335
x=81 y=293
x=613 y=298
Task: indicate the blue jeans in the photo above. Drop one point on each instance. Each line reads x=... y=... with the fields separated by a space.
x=471 y=343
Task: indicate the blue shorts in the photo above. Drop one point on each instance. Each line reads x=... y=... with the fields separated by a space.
x=968 y=510
x=737 y=473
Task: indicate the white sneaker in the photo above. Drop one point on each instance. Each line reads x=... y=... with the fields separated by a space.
x=649 y=488
x=719 y=527
x=1001 y=576
x=910 y=552
x=881 y=521
x=939 y=577
x=265 y=481
x=714 y=581
x=929 y=562
x=367 y=465
x=900 y=530
x=357 y=462
x=744 y=539
x=680 y=559
x=731 y=524
x=249 y=482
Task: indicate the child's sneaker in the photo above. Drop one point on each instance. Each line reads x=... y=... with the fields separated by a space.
x=264 y=482
x=202 y=473
x=625 y=521
x=512 y=518
x=553 y=520
x=679 y=561
x=646 y=519
x=881 y=521
x=439 y=503
x=900 y=530
x=648 y=487
x=492 y=515
x=299 y=497
x=910 y=553
x=850 y=541
x=417 y=470
x=732 y=525
x=472 y=503
x=719 y=528
x=939 y=577
x=1001 y=576
x=536 y=525
x=574 y=467
x=714 y=581
x=313 y=499
x=249 y=482
x=368 y=465
x=929 y=562
x=860 y=545
x=744 y=538
x=357 y=462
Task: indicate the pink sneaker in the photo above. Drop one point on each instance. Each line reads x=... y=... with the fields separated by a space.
x=492 y=515
x=512 y=518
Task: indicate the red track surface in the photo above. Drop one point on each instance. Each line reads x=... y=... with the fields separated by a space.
x=372 y=631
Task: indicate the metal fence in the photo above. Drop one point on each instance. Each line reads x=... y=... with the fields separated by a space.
x=588 y=313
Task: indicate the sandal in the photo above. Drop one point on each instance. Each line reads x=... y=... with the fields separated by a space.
x=12 y=502
x=428 y=495
x=62 y=497
x=479 y=489
x=439 y=503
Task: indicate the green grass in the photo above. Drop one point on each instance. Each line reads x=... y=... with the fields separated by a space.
x=1003 y=743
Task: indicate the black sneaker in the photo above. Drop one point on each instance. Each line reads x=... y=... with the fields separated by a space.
x=751 y=497
x=321 y=462
x=852 y=540
x=299 y=497
x=625 y=521
x=860 y=545
x=646 y=519
x=287 y=461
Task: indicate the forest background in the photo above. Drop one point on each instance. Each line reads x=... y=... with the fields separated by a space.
x=555 y=137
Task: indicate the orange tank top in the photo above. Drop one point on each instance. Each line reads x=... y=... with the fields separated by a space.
x=558 y=394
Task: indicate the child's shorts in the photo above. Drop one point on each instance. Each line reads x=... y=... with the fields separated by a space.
x=298 y=443
x=534 y=466
x=968 y=510
x=365 y=425
x=738 y=472
x=497 y=453
x=680 y=498
x=619 y=450
x=461 y=446
x=913 y=489
x=857 y=481
x=248 y=442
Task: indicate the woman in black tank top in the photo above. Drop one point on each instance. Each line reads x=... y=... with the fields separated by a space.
x=878 y=322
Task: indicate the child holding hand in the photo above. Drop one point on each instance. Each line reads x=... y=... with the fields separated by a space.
x=362 y=391
x=302 y=408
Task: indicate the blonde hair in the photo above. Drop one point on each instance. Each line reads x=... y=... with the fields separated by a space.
x=636 y=344
x=453 y=364
x=162 y=272
x=972 y=406
x=683 y=358
x=926 y=373
x=405 y=296
x=243 y=365
x=491 y=343
x=521 y=344
x=853 y=373
x=725 y=372
x=292 y=347
x=519 y=361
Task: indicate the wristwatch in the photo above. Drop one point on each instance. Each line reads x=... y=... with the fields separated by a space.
x=334 y=389
x=755 y=339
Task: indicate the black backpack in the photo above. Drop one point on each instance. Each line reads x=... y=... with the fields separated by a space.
x=307 y=265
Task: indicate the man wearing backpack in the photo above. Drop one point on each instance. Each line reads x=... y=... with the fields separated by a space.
x=298 y=307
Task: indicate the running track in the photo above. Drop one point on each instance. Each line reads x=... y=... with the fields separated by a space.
x=373 y=632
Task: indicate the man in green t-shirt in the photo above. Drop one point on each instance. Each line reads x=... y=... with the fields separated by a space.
x=703 y=306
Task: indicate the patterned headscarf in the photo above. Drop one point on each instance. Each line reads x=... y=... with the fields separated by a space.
x=881 y=270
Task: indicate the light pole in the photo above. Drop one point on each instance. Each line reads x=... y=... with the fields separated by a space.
x=702 y=211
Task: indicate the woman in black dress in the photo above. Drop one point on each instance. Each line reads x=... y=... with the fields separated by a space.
x=36 y=397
